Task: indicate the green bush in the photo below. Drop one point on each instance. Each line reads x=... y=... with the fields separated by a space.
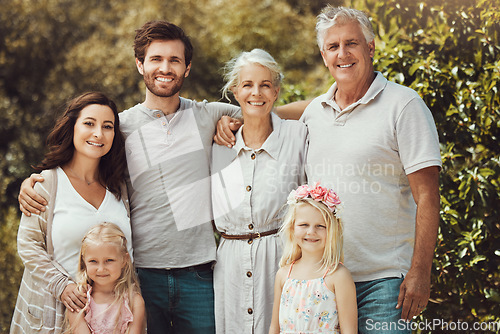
x=449 y=52
x=11 y=267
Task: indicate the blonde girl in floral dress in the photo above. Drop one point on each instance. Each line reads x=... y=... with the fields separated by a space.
x=314 y=292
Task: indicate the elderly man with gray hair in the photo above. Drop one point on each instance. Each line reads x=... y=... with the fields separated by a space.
x=376 y=143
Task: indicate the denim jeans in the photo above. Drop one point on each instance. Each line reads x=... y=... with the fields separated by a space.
x=377 y=312
x=178 y=300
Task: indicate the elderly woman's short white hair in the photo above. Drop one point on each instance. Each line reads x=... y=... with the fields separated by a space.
x=331 y=16
x=256 y=56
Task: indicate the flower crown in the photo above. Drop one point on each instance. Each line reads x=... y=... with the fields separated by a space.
x=317 y=193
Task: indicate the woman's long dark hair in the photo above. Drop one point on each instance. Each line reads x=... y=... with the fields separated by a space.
x=61 y=148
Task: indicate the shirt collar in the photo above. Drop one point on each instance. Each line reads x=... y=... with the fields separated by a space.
x=155 y=112
x=376 y=87
x=271 y=145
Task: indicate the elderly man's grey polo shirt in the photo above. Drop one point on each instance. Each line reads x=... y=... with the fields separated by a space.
x=365 y=152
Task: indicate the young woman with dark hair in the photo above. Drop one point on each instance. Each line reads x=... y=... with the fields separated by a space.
x=83 y=173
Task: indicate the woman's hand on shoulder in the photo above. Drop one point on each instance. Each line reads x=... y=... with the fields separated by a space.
x=138 y=325
x=73 y=299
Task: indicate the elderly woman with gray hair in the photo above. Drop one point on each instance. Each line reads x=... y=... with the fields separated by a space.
x=250 y=184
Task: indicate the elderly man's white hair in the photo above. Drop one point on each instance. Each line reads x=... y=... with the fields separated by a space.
x=331 y=16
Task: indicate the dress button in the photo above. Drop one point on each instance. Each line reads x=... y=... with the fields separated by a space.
x=250 y=226
x=253 y=156
x=163 y=123
x=249 y=188
x=250 y=241
x=158 y=115
x=249 y=274
x=250 y=311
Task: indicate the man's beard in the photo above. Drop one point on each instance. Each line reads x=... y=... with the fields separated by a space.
x=177 y=83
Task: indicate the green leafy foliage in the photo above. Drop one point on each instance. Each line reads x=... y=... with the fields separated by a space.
x=11 y=269
x=449 y=52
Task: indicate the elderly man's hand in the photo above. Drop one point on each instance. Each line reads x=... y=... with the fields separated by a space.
x=414 y=293
x=225 y=127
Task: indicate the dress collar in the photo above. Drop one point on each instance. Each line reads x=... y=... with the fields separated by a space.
x=271 y=144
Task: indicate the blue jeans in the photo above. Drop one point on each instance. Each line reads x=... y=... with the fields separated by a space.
x=377 y=312
x=178 y=300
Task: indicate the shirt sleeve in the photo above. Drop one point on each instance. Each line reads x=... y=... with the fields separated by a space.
x=417 y=137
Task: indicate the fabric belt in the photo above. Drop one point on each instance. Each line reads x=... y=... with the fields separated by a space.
x=248 y=236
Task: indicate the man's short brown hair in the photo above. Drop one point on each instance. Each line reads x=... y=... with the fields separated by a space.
x=160 y=31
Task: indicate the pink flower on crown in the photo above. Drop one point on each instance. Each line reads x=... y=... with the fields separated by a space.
x=331 y=199
x=318 y=192
x=302 y=192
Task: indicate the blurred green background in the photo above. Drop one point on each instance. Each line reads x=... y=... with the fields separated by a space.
x=447 y=50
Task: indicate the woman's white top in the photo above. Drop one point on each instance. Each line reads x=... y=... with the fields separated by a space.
x=74 y=216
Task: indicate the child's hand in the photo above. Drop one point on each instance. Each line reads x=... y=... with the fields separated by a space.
x=73 y=299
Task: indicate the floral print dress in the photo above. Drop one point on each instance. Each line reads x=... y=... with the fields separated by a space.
x=308 y=306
